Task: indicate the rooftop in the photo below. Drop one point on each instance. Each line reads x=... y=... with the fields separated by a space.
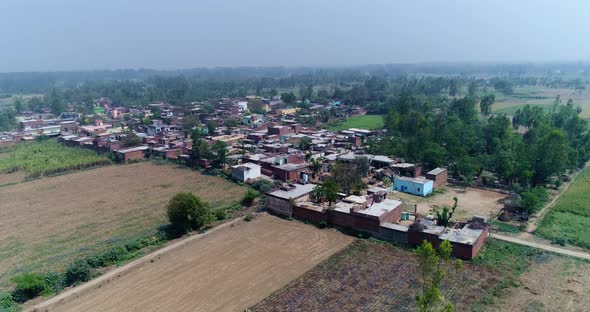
x=436 y=171
x=298 y=191
x=466 y=235
x=378 y=209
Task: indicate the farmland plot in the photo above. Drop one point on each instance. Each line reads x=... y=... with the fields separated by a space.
x=228 y=269
x=372 y=276
x=46 y=223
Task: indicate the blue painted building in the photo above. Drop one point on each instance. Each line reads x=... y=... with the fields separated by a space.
x=414 y=186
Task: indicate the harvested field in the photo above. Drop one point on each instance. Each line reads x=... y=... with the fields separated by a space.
x=472 y=201
x=11 y=178
x=227 y=270
x=372 y=276
x=555 y=284
x=46 y=223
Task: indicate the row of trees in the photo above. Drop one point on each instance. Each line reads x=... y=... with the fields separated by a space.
x=439 y=131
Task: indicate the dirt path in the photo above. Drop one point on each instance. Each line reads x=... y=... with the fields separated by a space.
x=538 y=217
x=228 y=269
x=530 y=243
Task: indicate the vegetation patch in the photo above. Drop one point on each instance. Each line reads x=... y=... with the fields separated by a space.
x=372 y=269
x=568 y=222
x=370 y=122
x=41 y=158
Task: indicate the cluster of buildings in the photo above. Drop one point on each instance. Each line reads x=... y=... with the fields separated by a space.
x=271 y=144
x=378 y=216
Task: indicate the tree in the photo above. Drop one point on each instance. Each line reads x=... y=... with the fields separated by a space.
x=131 y=139
x=316 y=166
x=472 y=88
x=327 y=191
x=19 y=104
x=189 y=122
x=186 y=211
x=7 y=121
x=432 y=266
x=485 y=105
x=347 y=177
x=443 y=218
x=56 y=102
x=220 y=151
x=288 y=97
x=211 y=126
x=304 y=143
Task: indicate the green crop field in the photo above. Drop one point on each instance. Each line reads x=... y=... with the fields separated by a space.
x=42 y=158
x=569 y=220
x=370 y=122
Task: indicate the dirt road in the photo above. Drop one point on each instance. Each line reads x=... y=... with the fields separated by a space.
x=530 y=243
x=229 y=269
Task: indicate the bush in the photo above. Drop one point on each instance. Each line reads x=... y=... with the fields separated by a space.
x=96 y=260
x=263 y=186
x=7 y=303
x=78 y=271
x=54 y=282
x=116 y=254
x=323 y=224
x=220 y=214
x=187 y=211
x=28 y=286
x=135 y=244
x=249 y=197
x=249 y=217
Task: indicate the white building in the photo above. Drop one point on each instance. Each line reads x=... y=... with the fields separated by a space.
x=246 y=171
x=242 y=106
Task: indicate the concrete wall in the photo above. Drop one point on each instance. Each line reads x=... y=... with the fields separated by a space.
x=279 y=206
x=310 y=215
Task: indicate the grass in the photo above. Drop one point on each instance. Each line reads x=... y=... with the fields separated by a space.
x=510 y=261
x=41 y=158
x=369 y=122
x=506 y=227
x=511 y=110
x=569 y=220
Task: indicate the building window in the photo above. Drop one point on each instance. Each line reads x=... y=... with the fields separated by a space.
x=418 y=189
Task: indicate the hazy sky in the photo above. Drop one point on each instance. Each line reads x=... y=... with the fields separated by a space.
x=166 y=34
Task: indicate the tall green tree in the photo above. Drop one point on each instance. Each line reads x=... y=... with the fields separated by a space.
x=433 y=265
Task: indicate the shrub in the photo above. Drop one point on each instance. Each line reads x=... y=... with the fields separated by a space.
x=220 y=214
x=28 y=286
x=263 y=186
x=7 y=303
x=249 y=217
x=187 y=211
x=249 y=197
x=116 y=254
x=96 y=260
x=135 y=244
x=323 y=224
x=54 y=282
x=78 y=271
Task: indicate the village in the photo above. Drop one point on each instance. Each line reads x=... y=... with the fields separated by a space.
x=274 y=146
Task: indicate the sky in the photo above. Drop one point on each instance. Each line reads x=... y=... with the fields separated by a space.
x=49 y=35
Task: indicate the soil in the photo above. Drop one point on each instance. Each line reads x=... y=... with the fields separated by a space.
x=472 y=201
x=226 y=270
x=373 y=276
x=46 y=223
x=557 y=284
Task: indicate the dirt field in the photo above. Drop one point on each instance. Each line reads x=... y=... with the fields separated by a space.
x=11 y=178
x=472 y=201
x=46 y=223
x=557 y=284
x=227 y=270
x=542 y=96
x=372 y=276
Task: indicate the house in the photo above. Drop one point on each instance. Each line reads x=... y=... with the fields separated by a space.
x=415 y=186
x=134 y=153
x=245 y=172
x=438 y=176
x=280 y=201
x=407 y=170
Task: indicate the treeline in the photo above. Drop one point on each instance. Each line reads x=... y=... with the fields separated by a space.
x=439 y=131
